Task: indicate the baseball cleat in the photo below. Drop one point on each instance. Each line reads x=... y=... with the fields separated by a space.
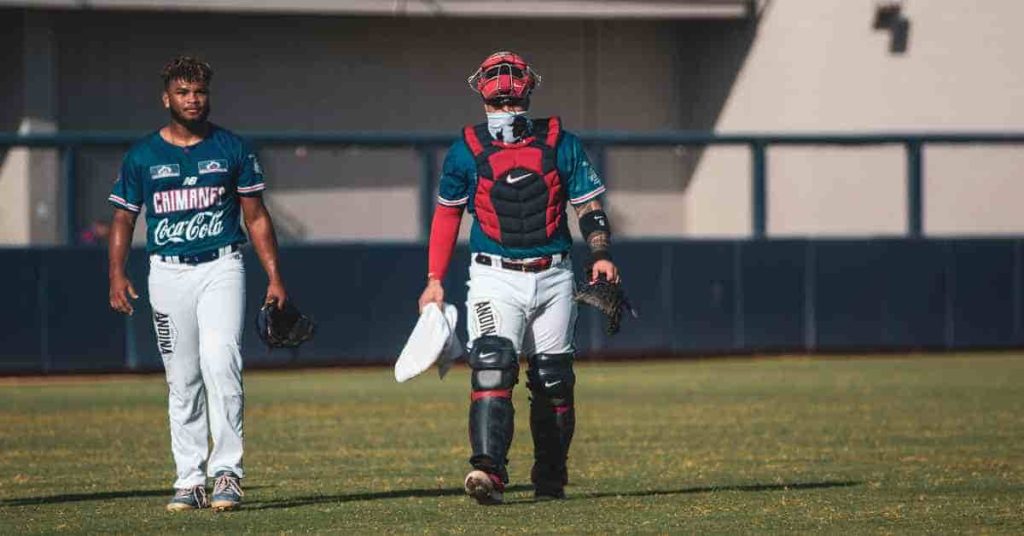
x=486 y=488
x=192 y=498
x=541 y=493
x=227 y=492
x=548 y=483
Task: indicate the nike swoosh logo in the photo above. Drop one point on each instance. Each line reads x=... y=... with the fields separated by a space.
x=488 y=354
x=513 y=180
x=552 y=384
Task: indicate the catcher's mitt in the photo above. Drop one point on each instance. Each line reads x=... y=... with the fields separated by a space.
x=607 y=297
x=285 y=327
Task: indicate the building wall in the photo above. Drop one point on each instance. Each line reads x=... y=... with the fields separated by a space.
x=317 y=74
x=819 y=65
x=14 y=223
x=804 y=66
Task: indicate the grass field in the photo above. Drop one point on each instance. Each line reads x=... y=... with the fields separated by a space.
x=857 y=445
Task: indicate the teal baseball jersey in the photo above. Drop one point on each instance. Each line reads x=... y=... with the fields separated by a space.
x=459 y=182
x=190 y=193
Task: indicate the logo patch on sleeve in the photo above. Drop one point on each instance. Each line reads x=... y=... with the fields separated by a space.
x=256 y=165
x=164 y=171
x=213 y=166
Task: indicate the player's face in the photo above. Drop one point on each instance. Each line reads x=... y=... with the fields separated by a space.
x=188 y=102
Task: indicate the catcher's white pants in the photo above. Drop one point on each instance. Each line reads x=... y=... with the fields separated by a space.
x=197 y=313
x=533 y=310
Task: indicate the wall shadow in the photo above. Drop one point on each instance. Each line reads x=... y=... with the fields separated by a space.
x=11 y=36
x=712 y=55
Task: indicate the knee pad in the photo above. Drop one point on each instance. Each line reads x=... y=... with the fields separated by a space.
x=552 y=377
x=495 y=364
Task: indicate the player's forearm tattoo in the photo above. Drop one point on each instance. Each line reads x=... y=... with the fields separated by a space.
x=599 y=241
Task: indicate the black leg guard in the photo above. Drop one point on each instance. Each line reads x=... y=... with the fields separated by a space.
x=552 y=420
x=495 y=367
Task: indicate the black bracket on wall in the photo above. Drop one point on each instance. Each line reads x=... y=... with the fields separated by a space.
x=889 y=17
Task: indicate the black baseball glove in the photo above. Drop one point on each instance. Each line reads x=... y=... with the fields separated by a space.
x=605 y=296
x=285 y=327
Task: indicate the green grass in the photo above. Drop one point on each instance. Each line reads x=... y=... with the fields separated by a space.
x=877 y=445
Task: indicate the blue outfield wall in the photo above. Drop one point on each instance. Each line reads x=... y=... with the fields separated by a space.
x=694 y=297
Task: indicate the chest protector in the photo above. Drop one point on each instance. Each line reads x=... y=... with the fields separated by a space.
x=520 y=197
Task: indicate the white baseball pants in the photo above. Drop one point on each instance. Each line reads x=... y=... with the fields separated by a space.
x=533 y=310
x=197 y=313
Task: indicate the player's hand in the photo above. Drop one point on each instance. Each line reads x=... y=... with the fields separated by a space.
x=276 y=294
x=121 y=290
x=434 y=293
x=606 y=268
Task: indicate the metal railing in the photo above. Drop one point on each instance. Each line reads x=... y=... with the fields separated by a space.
x=427 y=144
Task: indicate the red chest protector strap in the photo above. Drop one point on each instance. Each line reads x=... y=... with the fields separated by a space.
x=546 y=131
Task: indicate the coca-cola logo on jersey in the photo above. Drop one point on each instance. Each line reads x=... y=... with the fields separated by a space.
x=201 y=225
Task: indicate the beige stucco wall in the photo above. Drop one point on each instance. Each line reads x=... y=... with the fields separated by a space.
x=818 y=65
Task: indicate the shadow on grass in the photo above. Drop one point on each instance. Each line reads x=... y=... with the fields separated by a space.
x=714 y=489
x=407 y=493
x=100 y=496
x=353 y=497
x=448 y=492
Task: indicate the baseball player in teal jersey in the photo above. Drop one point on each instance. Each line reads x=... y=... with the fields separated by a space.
x=516 y=176
x=197 y=181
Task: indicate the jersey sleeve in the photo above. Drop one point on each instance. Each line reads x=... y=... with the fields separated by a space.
x=584 y=182
x=459 y=166
x=127 y=191
x=250 y=175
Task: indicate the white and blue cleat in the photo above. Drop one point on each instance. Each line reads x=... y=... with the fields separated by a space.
x=193 y=498
x=227 y=492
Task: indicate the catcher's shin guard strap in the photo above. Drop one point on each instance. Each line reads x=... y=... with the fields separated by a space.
x=552 y=382
x=492 y=393
x=495 y=367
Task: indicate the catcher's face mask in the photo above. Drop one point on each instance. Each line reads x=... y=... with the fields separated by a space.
x=504 y=78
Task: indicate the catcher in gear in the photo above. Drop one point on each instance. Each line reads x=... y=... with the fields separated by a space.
x=516 y=176
x=283 y=327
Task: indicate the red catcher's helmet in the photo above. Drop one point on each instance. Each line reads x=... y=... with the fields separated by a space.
x=504 y=78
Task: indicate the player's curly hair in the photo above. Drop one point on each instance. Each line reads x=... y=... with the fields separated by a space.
x=187 y=68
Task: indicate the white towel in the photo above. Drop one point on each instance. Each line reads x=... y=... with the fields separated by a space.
x=433 y=340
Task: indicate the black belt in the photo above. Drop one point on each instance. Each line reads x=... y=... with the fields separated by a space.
x=202 y=256
x=538 y=264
